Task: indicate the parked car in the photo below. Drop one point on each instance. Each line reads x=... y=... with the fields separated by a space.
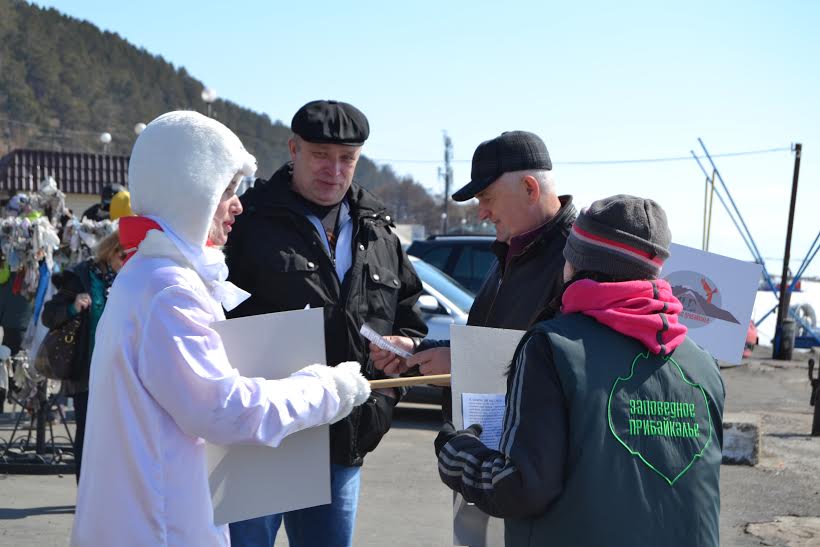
x=465 y=258
x=751 y=340
x=444 y=302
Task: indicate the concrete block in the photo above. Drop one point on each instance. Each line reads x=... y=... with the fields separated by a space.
x=741 y=438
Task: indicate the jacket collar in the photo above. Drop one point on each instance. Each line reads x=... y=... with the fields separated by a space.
x=561 y=221
x=209 y=265
x=155 y=244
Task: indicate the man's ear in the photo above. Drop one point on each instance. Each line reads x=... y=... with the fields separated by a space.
x=532 y=188
x=292 y=148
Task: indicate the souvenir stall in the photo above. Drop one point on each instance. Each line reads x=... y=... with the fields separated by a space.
x=37 y=240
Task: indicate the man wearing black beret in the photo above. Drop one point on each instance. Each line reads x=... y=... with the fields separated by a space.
x=310 y=236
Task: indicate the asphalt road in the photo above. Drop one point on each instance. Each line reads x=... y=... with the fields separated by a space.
x=404 y=504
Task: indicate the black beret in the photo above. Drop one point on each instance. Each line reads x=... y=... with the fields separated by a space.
x=331 y=122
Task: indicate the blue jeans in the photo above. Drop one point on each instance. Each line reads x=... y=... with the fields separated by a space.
x=322 y=526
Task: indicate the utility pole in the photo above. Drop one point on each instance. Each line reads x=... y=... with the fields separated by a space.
x=708 y=200
x=784 y=350
x=447 y=175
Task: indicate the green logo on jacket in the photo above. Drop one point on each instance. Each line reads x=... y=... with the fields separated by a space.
x=660 y=416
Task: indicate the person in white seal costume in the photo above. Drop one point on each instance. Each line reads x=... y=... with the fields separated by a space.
x=161 y=383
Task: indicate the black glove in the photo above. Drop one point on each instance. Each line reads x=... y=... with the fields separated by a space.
x=448 y=433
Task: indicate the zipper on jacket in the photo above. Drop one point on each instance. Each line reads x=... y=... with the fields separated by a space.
x=504 y=276
x=506 y=269
x=495 y=296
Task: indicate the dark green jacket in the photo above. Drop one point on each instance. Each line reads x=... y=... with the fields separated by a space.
x=637 y=472
x=15 y=309
x=653 y=480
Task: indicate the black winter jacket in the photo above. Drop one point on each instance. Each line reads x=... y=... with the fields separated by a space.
x=15 y=309
x=276 y=254
x=516 y=294
x=55 y=312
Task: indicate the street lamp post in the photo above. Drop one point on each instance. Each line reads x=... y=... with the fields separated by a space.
x=209 y=95
x=443 y=223
x=105 y=139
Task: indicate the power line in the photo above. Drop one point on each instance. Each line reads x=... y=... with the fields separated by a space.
x=50 y=132
x=59 y=132
x=613 y=162
x=677 y=158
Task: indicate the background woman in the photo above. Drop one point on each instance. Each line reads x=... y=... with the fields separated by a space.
x=83 y=291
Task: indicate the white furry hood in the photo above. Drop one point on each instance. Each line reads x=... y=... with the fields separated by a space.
x=180 y=166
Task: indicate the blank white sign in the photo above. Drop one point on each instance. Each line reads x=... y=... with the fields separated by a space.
x=251 y=481
x=479 y=358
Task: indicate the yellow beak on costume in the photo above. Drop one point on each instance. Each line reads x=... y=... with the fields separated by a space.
x=120 y=205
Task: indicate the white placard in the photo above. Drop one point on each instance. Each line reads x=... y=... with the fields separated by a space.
x=479 y=359
x=718 y=295
x=487 y=410
x=251 y=481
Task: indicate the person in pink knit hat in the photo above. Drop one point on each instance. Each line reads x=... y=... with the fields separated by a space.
x=612 y=433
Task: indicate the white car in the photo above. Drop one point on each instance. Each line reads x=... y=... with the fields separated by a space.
x=444 y=301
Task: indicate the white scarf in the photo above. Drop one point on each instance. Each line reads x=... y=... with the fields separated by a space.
x=209 y=263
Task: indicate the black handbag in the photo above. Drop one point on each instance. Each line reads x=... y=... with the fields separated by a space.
x=56 y=355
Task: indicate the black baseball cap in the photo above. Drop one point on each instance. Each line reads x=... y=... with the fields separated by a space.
x=109 y=190
x=331 y=122
x=510 y=151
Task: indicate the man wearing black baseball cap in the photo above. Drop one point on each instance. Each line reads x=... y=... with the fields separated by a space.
x=310 y=236
x=512 y=179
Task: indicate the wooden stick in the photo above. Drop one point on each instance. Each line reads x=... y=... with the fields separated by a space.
x=434 y=379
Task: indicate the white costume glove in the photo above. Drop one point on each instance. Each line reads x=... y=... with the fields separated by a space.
x=346 y=378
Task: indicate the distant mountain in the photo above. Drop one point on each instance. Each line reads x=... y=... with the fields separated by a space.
x=63 y=81
x=694 y=302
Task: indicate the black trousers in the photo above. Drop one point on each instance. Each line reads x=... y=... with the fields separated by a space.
x=80 y=410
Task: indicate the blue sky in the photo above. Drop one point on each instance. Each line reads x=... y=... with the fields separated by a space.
x=597 y=80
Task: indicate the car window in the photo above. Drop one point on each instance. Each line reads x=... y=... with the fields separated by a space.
x=472 y=266
x=437 y=257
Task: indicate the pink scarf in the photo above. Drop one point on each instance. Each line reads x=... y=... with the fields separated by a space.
x=644 y=310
